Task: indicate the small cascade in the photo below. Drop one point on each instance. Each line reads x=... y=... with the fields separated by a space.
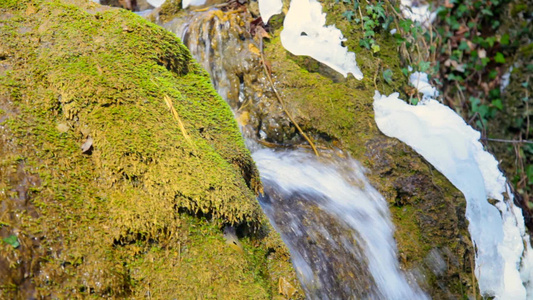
x=223 y=44
x=336 y=225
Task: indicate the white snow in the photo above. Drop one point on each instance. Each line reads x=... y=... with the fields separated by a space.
x=506 y=78
x=155 y=3
x=268 y=8
x=187 y=3
x=420 y=81
x=304 y=33
x=452 y=147
x=417 y=12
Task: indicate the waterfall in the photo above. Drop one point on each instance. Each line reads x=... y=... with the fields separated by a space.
x=336 y=225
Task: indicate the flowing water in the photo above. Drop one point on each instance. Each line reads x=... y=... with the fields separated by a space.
x=336 y=225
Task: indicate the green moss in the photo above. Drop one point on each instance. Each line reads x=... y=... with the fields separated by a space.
x=169 y=10
x=164 y=146
x=408 y=233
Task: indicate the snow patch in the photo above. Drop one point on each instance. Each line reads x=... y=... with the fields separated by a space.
x=421 y=82
x=268 y=8
x=506 y=79
x=417 y=12
x=187 y=3
x=452 y=147
x=155 y=3
x=304 y=33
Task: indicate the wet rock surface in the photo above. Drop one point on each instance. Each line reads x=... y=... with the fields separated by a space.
x=325 y=243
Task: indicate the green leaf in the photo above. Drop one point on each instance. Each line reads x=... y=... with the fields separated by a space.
x=499 y=58
x=462 y=9
x=387 y=75
x=423 y=66
x=487 y=12
x=504 y=40
x=491 y=40
x=375 y=48
x=406 y=24
x=12 y=240
x=463 y=46
x=385 y=25
x=529 y=172
x=453 y=77
x=370 y=33
x=364 y=43
x=349 y=15
x=483 y=111
x=497 y=103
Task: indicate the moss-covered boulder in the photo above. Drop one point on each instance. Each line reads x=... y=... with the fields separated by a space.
x=120 y=165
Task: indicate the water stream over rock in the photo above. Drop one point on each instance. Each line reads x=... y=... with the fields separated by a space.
x=337 y=226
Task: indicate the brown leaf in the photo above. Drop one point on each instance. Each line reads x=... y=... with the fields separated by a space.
x=447 y=4
x=253 y=49
x=62 y=127
x=87 y=147
x=261 y=32
x=285 y=288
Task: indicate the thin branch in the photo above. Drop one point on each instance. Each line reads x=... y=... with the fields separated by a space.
x=283 y=103
x=507 y=141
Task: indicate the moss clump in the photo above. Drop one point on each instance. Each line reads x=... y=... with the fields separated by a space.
x=113 y=137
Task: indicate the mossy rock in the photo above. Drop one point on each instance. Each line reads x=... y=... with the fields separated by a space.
x=120 y=165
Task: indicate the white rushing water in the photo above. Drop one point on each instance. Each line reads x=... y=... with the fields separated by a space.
x=346 y=194
x=503 y=255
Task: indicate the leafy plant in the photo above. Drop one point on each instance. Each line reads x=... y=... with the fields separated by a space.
x=387 y=75
x=12 y=240
x=374 y=20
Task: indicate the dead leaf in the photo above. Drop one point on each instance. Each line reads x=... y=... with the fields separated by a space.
x=261 y=32
x=285 y=288
x=253 y=49
x=87 y=147
x=30 y=10
x=243 y=118
x=62 y=127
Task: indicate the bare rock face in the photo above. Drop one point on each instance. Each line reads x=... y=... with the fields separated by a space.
x=120 y=165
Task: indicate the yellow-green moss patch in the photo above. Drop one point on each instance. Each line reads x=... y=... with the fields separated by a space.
x=125 y=139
